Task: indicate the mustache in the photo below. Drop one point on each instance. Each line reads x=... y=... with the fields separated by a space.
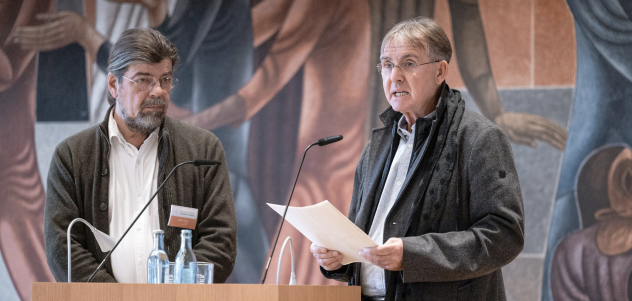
x=153 y=102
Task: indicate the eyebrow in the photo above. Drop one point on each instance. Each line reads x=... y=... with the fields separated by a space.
x=410 y=55
x=148 y=74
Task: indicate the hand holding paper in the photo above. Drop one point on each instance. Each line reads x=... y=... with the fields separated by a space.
x=327 y=259
x=325 y=226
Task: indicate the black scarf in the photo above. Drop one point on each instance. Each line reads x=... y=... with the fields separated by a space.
x=434 y=172
x=429 y=172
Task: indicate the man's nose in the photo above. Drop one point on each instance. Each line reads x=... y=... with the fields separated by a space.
x=397 y=75
x=155 y=89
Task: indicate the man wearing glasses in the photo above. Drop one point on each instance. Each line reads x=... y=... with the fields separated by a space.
x=107 y=173
x=436 y=187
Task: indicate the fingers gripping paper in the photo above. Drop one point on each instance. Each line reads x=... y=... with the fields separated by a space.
x=325 y=226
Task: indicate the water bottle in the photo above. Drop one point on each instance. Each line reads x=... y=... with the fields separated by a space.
x=158 y=262
x=186 y=264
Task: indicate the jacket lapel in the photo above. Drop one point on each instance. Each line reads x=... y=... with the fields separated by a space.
x=378 y=154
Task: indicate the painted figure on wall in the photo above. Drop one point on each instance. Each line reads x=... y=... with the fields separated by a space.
x=21 y=190
x=595 y=263
x=603 y=31
x=323 y=47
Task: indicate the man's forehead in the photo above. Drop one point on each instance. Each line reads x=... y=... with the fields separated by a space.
x=161 y=68
x=396 y=49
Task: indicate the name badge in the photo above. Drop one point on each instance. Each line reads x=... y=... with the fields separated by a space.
x=183 y=217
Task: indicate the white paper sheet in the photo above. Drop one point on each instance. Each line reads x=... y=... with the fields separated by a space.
x=325 y=226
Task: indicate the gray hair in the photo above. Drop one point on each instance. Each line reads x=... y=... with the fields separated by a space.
x=422 y=33
x=139 y=45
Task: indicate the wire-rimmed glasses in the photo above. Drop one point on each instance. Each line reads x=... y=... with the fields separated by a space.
x=386 y=68
x=166 y=83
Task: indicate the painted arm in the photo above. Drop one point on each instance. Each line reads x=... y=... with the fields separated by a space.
x=304 y=24
x=267 y=18
x=57 y=30
x=13 y=58
x=471 y=50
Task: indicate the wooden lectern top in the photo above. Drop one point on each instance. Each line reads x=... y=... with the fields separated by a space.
x=47 y=291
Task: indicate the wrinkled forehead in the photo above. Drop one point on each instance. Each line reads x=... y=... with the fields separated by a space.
x=398 y=46
x=162 y=68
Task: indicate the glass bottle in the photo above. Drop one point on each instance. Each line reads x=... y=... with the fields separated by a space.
x=186 y=264
x=158 y=262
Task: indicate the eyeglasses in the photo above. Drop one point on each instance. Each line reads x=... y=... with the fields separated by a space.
x=386 y=68
x=166 y=83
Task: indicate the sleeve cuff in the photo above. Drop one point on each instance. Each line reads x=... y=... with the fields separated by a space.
x=336 y=274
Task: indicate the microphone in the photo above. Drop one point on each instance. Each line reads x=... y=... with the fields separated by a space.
x=329 y=140
x=320 y=142
x=196 y=163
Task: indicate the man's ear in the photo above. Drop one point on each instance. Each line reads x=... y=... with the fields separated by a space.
x=112 y=85
x=442 y=72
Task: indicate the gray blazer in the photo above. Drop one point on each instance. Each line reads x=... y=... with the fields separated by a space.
x=479 y=230
x=78 y=187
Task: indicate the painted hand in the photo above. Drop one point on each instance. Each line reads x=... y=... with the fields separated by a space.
x=389 y=256
x=523 y=128
x=58 y=30
x=230 y=111
x=329 y=260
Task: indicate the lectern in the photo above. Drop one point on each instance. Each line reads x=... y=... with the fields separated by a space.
x=47 y=291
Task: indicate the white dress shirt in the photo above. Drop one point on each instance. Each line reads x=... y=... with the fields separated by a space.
x=133 y=177
x=372 y=278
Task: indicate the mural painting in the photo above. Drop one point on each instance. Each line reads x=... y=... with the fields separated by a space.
x=269 y=77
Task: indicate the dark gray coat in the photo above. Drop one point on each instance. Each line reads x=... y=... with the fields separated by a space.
x=78 y=187
x=457 y=254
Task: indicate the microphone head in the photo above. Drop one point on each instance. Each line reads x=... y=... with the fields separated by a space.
x=329 y=140
x=206 y=162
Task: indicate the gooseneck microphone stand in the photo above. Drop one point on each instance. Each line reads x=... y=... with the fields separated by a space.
x=320 y=142
x=196 y=163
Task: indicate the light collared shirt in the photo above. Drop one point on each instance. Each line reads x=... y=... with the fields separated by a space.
x=372 y=279
x=133 y=180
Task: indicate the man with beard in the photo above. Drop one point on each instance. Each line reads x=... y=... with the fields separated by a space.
x=107 y=173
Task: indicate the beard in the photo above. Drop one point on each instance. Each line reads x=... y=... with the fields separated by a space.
x=145 y=122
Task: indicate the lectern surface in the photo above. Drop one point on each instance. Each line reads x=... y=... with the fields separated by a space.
x=44 y=291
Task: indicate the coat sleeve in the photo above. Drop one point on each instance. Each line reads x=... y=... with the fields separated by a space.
x=217 y=228
x=62 y=206
x=496 y=220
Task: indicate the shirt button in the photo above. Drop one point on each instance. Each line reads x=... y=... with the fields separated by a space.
x=410 y=145
x=103 y=207
x=399 y=183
